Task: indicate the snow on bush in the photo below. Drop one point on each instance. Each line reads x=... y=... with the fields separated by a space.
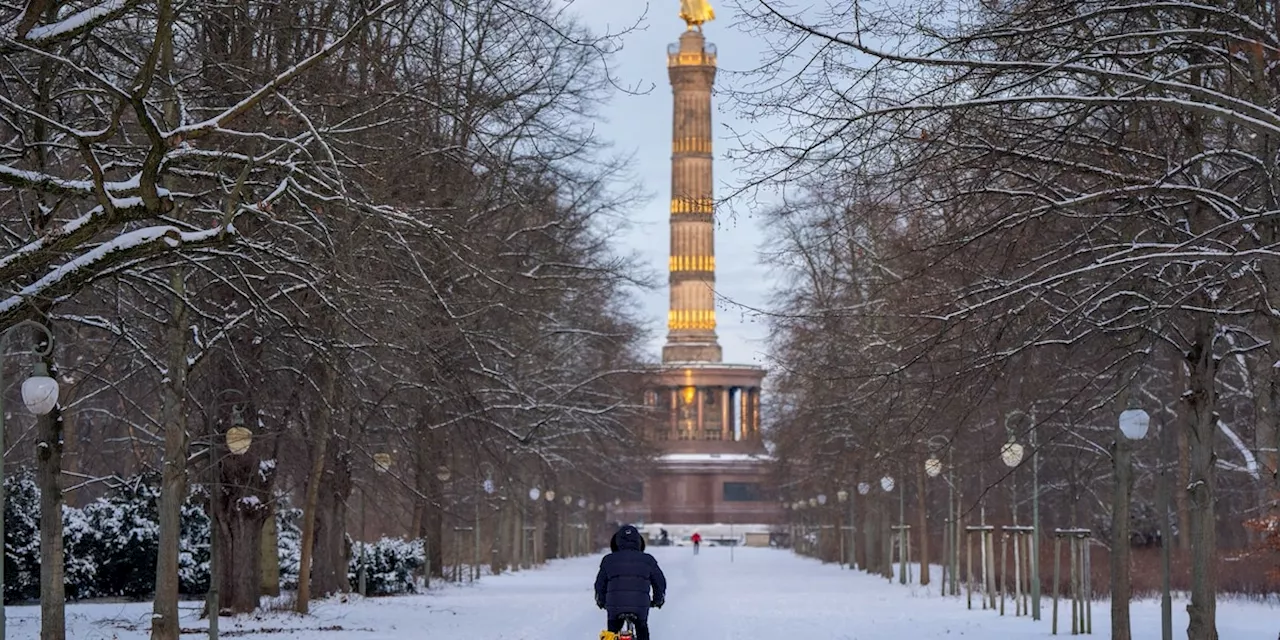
x=289 y=542
x=21 y=537
x=392 y=564
x=111 y=545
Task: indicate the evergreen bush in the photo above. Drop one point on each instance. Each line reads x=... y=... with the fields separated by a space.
x=392 y=565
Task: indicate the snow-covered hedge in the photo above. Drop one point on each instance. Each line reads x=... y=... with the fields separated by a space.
x=111 y=545
x=393 y=563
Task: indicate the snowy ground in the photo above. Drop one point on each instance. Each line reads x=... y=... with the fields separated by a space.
x=763 y=593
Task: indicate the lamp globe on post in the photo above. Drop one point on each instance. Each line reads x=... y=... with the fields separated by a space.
x=40 y=392
x=443 y=474
x=239 y=437
x=1133 y=425
x=1011 y=456
x=933 y=467
x=535 y=493
x=1011 y=453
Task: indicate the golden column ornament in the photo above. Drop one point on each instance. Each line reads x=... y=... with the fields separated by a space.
x=691 y=67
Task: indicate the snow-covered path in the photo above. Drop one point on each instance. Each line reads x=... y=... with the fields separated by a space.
x=762 y=593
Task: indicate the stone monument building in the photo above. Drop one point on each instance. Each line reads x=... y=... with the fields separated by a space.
x=714 y=468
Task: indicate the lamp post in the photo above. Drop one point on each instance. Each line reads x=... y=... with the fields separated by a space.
x=1035 y=510
x=822 y=503
x=238 y=439
x=1133 y=424
x=933 y=467
x=868 y=528
x=442 y=474
x=40 y=395
x=1035 y=522
x=529 y=552
x=904 y=539
x=1166 y=543
x=1011 y=456
x=842 y=497
x=886 y=483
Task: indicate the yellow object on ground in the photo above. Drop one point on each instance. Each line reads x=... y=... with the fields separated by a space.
x=608 y=635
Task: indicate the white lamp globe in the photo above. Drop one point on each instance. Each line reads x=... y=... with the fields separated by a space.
x=822 y=498
x=1011 y=454
x=842 y=495
x=864 y=488
x=886 y=483
x=933 y=467
x=40 y=392
x=239 y=439
x=1133 y=422
x=551 y=495
x=534 y=493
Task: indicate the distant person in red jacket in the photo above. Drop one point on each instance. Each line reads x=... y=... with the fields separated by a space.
x=696 y=539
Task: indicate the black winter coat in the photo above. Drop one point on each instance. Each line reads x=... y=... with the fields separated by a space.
x=627 y=575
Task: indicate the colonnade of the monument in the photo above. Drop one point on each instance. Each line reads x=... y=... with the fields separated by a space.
x=708 y=413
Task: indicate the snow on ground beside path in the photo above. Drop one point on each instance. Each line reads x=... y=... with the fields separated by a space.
x=762 y=594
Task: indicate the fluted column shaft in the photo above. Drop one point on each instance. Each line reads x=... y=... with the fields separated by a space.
x=691 y=321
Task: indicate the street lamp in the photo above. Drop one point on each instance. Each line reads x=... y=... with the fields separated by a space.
x=1133 y=425
x=238 y=439
x=39 y=394
x=847 y=553
x=1011 y=456
x=1035 y=509
x=887 y=484
x=934 y=467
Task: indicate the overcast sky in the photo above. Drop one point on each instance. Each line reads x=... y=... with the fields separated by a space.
x=642 y=124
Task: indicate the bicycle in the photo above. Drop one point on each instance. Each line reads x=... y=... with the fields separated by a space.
x=628 y=629
x=628 y=626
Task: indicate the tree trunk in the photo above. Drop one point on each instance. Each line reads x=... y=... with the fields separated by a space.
x=270 y=554
x=921 y=479
x=173 y=415
x=53 y=624
x=242 y=513
x=240 y=569
x=1182 y=427
x=173 y=487
x=1201 y=403
x=321 y=426
x=1267 y=435
x=332 y=553
x=1120 y=584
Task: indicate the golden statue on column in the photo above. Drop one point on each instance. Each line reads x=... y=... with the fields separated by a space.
x=696 y=12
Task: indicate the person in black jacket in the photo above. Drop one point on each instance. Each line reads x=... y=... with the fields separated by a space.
x=625 y=579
